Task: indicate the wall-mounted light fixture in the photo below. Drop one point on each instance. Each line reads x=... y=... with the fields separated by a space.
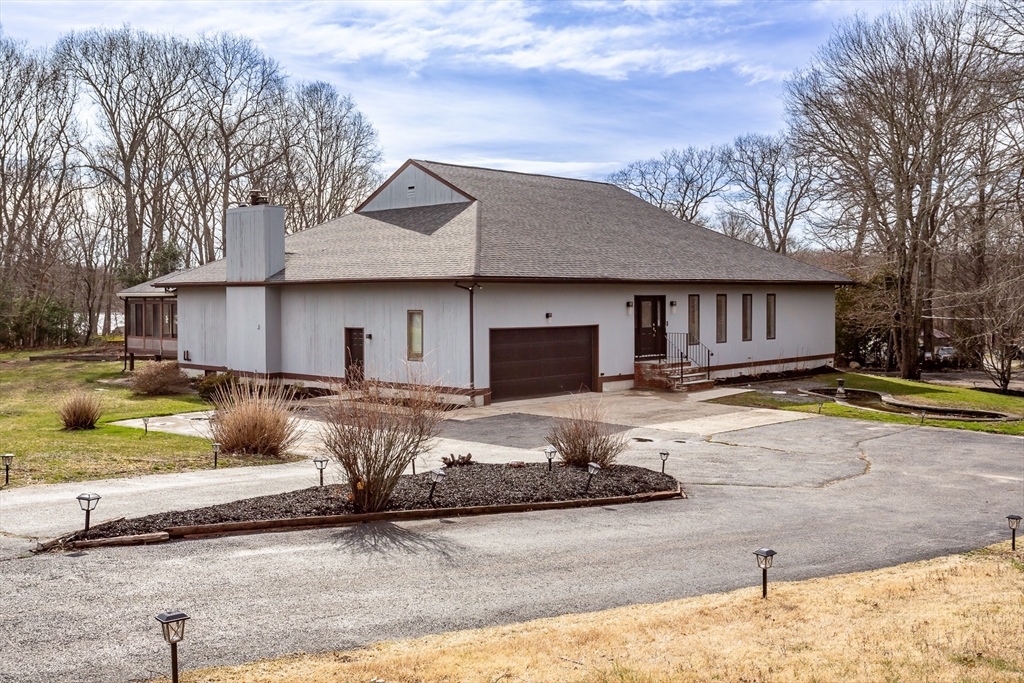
x=548 y=316
x=629 y=308
x=369 y=336
x=672 y=305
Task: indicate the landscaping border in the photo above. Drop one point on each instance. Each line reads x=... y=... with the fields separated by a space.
x=323 y=521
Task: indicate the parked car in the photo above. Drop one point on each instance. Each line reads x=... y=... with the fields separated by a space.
x=945 y=354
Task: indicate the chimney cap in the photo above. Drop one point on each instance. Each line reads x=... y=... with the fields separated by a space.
x=257 y=197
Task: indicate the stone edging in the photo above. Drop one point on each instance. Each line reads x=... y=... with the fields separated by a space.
x=299 y=523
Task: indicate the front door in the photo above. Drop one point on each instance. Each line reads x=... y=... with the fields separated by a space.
x=354 y=353
x=649 y=317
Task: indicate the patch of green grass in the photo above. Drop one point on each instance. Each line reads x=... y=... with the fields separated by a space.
x=45 y=453
x=919 y=393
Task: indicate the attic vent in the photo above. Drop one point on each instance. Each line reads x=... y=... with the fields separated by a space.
x=411 y=192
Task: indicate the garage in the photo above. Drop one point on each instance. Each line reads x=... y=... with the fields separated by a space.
x=541 y=361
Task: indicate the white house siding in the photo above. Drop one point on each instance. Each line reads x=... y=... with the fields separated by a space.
x=427 y=192
x=804 y=322
x=202 y=317
x=314 y=318
x=254 y=329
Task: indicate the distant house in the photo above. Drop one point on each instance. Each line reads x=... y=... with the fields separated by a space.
x=501 y=285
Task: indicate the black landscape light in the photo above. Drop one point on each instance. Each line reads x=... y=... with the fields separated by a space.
x=413 y=461
x=216 y=452
x=664 y=459
x=88 y=502
x=145 y=423
x=592 y=469
x=549 y=453
x=8 y=459
x=321 y=464
x=764 y=561
x=436 y=476
x=1014 y=522
x=173 y=625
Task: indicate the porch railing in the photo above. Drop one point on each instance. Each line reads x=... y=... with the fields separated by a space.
x=681 y=348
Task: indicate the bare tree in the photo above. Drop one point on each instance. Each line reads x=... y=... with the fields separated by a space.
x=772 y=187
x=884 y=111
x=680 y=181
x=333 y=158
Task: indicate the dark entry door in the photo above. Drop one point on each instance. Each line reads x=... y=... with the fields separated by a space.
x=540 y=361
x=649 y=320
x=354 y=353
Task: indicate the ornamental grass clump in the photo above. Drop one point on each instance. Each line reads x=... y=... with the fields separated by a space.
x=582 y=436
x=159 y=379
x=374 y=431
x=80 y=410
x=253 y=419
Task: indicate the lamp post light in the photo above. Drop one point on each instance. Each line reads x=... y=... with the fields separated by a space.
x=8 y=459
x=145 y=424
x=436 y=476
x=413 y=461
x=173 y=625
x=88 y=502
x=592 y=469
x=1014 y=522
x=764 y=561
x=664 y=459
x=549 y=453
x=216 y=452
x=321 y=463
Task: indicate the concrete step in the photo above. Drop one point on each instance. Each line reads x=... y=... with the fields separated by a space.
x=695 y=385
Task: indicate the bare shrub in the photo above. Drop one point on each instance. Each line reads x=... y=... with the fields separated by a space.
x=374 y=431
x=252 y=419
x=582 y=436
x=80 y=410
x=159 y=379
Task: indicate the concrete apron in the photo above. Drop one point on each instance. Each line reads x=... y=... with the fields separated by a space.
x=45 y=511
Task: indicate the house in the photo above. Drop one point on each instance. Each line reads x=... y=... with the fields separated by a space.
x=500 y=285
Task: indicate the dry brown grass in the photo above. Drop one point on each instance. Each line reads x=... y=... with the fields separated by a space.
x=581 y=435
x=80 y=410
x=159 y=379
x=252 y=419
x=957 y=618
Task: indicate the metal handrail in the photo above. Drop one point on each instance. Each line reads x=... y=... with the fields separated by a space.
x=681 y=347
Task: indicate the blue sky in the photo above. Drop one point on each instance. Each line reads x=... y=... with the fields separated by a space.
x=568 y=88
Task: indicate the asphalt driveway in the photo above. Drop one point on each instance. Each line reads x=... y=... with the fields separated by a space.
x=829 y=495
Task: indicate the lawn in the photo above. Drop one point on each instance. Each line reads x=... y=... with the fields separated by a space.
x=45 y=453
x=919 y=393
x=956 y=618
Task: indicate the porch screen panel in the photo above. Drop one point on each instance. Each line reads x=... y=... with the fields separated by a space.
x=721 y=318
x=138 y=320
x=152 y=320
x=694 y=319
x=770 y=310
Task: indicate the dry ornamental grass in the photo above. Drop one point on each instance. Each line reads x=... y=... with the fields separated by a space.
x=80 y=410
x=582 y=436
x=253 y=419
x=952 y=619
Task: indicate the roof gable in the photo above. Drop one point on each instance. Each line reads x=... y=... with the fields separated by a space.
x=410 y=186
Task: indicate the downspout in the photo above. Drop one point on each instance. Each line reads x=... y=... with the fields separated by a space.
x=472 y=345
x=125 y=336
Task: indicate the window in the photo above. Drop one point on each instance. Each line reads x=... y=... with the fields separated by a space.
x=748 y=317
x=694 y=319
x=135 y=320
x=152 y=320
x=770 y=310
x=170 y=320
x=415 y=335
x=720 y=322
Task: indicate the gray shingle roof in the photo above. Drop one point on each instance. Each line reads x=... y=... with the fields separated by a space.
x=147 y=289
x=523 y=226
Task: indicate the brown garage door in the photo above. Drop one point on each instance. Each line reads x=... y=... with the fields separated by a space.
x=540 y=361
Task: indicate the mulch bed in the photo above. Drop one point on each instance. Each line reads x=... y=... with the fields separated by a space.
x=469 y=485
